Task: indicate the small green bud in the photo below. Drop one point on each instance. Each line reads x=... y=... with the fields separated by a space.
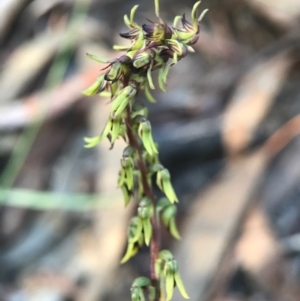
x=145 y=134
x=165 y=255
x=168 y=218
x=145 y=212
x=141 y=60
x=135 y=229
x=135 y=238
x=122 y=99
x=141 y=282
x=137 y=294
x=166 y=268
x=128 y=151
x=162 y=203
x=114 y=73
x=163 y=181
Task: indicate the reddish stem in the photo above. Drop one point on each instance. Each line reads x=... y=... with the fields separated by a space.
x=155 y=241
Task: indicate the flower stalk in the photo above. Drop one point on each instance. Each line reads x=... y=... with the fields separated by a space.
x=154 y=46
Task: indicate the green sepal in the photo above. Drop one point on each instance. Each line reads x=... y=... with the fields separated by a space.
x=127 y=22
x=175 y=58
x=141 y=60
x=92 y=141
x=114 y=72
x=137 y=294
x=141 y=282
x=147 y=227
x=180 y=285
x=156 y=5
x=107 y=129
x=152 y=293
x=105 y=94
x=126 y=194
x=145 y=134
x=139 y=183
x=173 y=229
x=132 y=13
x=114 y=88
x=95 y=87
x=162 y=204
x=190 y=49
x=169 y=285
x=122 y=178
x=176 y=20
x=176 y=46
x=194 y=14
x=166 y=72
x=161 y=78
x=159 y=181
x=165 y=255
x=135 y=238
x=122 y=99
x=129 y=151
x=183 y=35
x=158 y=268
x=151 y=159
x=99 y=59
x=202 y=15
x=129 y=176
x=169 y=191
x=139 y=109
x=168 y=213
x=127 y=165
x=145 y=209
x=163 y=181
x=135 y=229
x=121 y=48
x=149 y=76
x=132 y=250
x=139 y=43
x=115 y=130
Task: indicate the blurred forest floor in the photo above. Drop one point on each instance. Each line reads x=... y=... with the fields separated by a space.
x=228 y=130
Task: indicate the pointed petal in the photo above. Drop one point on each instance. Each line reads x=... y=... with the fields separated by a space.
x=148 y=94
x=99 y=59
x=173 y=229
x=180 y=285
x=202 y=15
x=147 y=231
x=130 y=252
x=169 y=285
x=132 y=13
x=149 y=76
